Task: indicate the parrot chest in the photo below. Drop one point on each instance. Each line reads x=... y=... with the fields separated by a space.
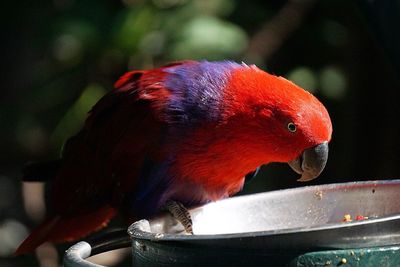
x=210 y=175
x=216 y=161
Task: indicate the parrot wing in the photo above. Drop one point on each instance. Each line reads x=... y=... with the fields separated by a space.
x=103 y=160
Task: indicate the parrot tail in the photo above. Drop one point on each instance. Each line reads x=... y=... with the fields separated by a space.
x=59 y=229
x=41 y=171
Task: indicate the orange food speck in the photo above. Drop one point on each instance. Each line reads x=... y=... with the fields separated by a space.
x=347 y=218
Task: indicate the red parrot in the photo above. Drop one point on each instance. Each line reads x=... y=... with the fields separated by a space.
x=187 y=132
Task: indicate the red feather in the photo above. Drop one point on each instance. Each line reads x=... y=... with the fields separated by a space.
x=102 y=164
x=101 y=160
x=254 y=127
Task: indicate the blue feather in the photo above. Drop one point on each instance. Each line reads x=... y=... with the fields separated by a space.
x=197 y=91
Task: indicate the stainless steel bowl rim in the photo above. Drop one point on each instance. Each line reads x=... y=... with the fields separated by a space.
x=136 y=229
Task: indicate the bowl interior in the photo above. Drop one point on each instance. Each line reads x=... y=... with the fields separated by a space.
x=304 y=207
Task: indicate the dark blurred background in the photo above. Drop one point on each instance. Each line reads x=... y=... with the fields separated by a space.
x=61 y=56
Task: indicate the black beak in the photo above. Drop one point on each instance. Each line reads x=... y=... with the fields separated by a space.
x=311 y=162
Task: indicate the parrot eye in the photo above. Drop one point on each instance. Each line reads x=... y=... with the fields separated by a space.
x=291 y=127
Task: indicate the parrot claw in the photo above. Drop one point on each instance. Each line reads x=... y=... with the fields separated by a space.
x=180 y=213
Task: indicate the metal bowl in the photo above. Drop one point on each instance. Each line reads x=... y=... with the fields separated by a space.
x=258 y=229
x=301 y=218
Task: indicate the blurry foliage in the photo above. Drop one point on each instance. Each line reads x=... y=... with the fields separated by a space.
x=75 y=116
x=75 y=50
x=63 y=55
x=304 y=77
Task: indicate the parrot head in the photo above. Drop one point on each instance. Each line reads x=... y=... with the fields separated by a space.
x=289 y=123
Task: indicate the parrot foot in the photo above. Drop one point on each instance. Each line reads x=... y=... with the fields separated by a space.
x=180 y=213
